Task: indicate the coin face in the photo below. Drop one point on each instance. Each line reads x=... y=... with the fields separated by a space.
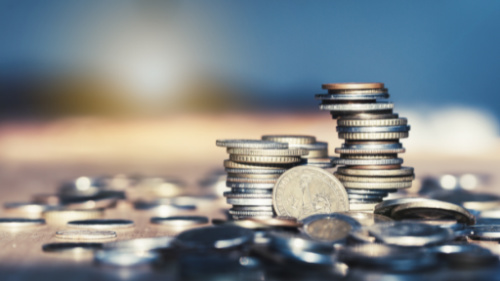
x=304 y=191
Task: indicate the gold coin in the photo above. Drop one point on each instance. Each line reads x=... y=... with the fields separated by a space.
x=352 y=86
x=65 y=216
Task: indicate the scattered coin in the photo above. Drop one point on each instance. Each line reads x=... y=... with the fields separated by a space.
x=85 y=234
x=20 y=222
x=214 y=237
x=410 y=234
x=180 y=221
x=333 y=228
x=74 y=248
x=102 y=224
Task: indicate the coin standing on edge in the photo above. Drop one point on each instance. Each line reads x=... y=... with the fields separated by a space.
x=304 y=191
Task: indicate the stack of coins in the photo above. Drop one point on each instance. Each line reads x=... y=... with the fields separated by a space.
x=253 y=168
x=317 y=152
x=371 y=132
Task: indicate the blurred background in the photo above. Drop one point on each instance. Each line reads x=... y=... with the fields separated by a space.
x=137 y=84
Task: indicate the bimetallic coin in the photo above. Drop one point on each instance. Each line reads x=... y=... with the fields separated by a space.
x=381 y=129
x=74 y=248
x=64 y=216
x=432 y=209
x=304 y=191
x=20 y=222
x=377 y=185
x=357 y=107
x=403 y=171
x=349 y=122
x=410 y=234
x=179 y=221
x=255 y=171
x=352 y=86
x=290 y=139
x=102 y=224
x=215 y=237
x=265 y=159
x=362 y=162
x=373 y=179
x=333 y=228
x=85 y=234
x=374 y=136
x=251 y=144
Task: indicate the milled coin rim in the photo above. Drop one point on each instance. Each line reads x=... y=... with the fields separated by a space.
x=374 y=136
x=385 y=208
x=346 y=122
x=249 y=185
x=265 y=159
x=378 y=129
x=248 y=143
x=267 y=152
x=228 y=163
x=348 y=107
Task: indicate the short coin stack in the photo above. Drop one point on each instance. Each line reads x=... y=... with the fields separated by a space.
x=253 y=168
x=371 y=131
x=317 y=152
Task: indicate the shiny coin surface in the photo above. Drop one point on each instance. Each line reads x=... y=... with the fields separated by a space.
x=351 y=96
x=20 y=222
x=320 y=145
x=410 y=234
x=290 y=139
x=366 y=219
x=385 y=208
x=374 y=136
x=304 y=191
x=489 y=233
x=350 y=162
x=332 y=228
x=362 y=206
x=252 y=144
x=179 y=221
x=102 y=224
x=141 y=244
x=381 y=129
x=235 y=165
x=215 y=237
x=377 y=185
x=432 y=209
x=267 y=152
x=373 y=179
x=256 y=171
x=74 y=248
x=352 y=86
x=250 y=185
x=64 y=216
x=120 y=258
x=278 y=222
x=85 y=234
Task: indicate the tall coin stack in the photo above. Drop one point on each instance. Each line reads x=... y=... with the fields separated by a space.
x=371 y=132
x=253 y=168
x=317 y=152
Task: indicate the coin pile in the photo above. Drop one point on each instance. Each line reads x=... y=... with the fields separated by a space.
x=371 y=167
x=253 y=168
x=317 y=152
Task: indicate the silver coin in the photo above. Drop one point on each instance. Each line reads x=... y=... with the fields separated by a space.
x=311 y=146
x=250 y=201
x=362 y=206
x=20 y=222
x=366 y=196
x=141 y=244
x=122 y=258
x=252 y=208
x=410 y=234
x=366 y=219
x=256 y=171
x=357 y=91
x=290 y=139
x=248 y=214
x=102 y=224
x=364 y=200
x=356 y=107
x=333 y=228
x=432 y=210
x=383 y=129
x=372 y=145
x=74 y=248
x=304 y=191
x=357 y=122
x=179 y=221
x=215 y=237
x=403 y=171
x=252 y=180
x=466 y=255
x=364 y=162
x=377 y=185
x=379 y=192
x=249 y=185
x=257 y=144
x=353 y=97
x=385 y=208
x=289 y=241
x=251 y=190
x=374 y=136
